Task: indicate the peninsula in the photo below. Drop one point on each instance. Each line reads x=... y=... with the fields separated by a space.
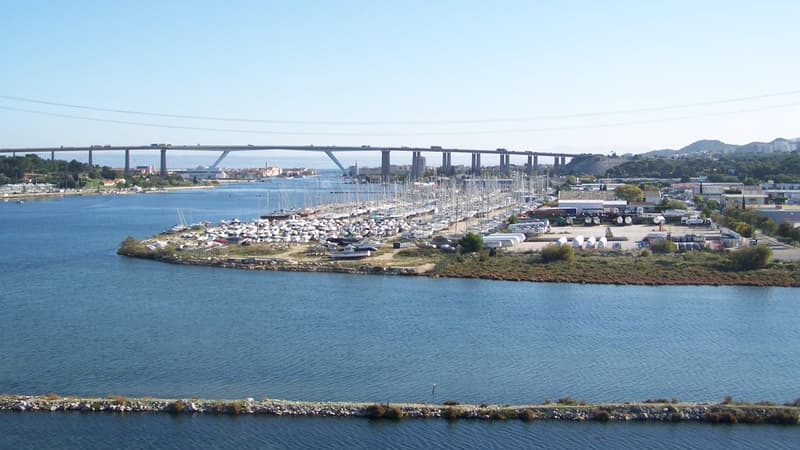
x=533 y=261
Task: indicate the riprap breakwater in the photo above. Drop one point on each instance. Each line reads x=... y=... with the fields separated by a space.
x=603 y=412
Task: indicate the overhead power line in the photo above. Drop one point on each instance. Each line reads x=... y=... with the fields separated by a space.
x=408 y=133
x=408 y=122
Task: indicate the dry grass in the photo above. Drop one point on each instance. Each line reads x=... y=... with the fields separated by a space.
x=692 y=268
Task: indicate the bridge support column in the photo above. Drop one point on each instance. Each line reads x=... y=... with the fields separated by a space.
x=417 y=165
x=450 y=170
x=446 y=168
x=476 y=163
x=385 y=166
x=90 y=159
x=535 y=163
x=563 y=162
x=555 y=165
x=529 y=165
x=163 y=162
x=127 y=161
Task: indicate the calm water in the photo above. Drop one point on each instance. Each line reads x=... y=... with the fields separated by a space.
x=148 y=431
x=77 y=319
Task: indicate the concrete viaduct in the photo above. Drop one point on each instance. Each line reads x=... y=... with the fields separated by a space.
x=417 y=167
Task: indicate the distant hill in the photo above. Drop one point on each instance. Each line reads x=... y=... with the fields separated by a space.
x=707 y=146
x=599 y=164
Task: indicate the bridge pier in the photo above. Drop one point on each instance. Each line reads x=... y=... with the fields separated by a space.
x=90 y=159
x=535 y=164
x=446 y=168
x=505 y=164
x=563 y=162
x=555 y=166
x=529 y=165
x=163 y=172
x=385 y=166
x=127 y=161
x=417 y=165
x=476 y=163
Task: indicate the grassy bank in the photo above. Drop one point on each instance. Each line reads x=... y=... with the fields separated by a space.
x=700 y=268
x=638 y=268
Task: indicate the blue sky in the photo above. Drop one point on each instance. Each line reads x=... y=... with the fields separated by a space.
x=461 y=70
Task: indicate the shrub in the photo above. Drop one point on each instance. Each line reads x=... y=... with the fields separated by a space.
x=129 y=246
x=498 y=415
x=751 y=258
x=720 y=417
x=663 y=246
x=645 y=252
x=782 y=418
x=471 y=242
x=601 y=415
x=451 y=403
x=395 y=413
x=235 y=408
x=656 y=400
x=567 y=401
x=553 y=253
x=375 y=411
x=176 y=407
x=795 y=403
x=451 y=414
x=527 y=415
x=750 y=417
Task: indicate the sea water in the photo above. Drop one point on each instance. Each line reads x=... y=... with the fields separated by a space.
x=75 y=318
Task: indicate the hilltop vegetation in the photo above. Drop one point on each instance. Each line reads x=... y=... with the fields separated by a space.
x=73 y=174
x=746 y=168
x=778 y=160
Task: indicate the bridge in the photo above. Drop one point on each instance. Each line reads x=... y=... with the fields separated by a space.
x=417 y=166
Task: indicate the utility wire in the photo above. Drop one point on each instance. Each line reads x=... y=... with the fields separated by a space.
x=396 y=123
x=410 y=133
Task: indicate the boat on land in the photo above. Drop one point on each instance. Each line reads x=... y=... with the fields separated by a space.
x=280 y=214
x=286 y=214
x=350 y=252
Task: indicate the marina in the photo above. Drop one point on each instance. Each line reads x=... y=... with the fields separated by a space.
x=164 y=331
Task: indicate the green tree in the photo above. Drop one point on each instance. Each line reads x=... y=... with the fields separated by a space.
x=513 y=219
x=471 y=242
x=671 y=203
x=751 y=258
x=630 y=193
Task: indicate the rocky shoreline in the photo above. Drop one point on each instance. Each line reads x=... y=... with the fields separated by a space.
x=730 y=413
x=283 y=265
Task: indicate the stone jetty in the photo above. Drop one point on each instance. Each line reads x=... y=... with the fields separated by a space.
x=730 y=413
